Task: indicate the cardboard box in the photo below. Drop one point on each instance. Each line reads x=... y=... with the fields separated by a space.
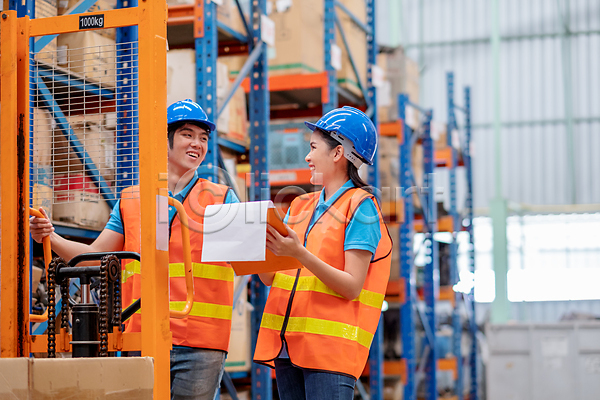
x=42 y=136
x=121 y=378
x=85 y=209
x=234 y=64
x=357 y=42
x=239 y=357
x=238 y=126
x=78 y=201
x=299 y=40
x=90 y=55
x=403 y=75
x=101 y=5
x=389 y=166
x=45 y=9
x=181 y=70
x=98 y=142
x=298 y=37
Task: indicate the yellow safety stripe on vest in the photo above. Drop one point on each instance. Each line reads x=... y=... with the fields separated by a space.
x=318 y=327
x=206 y=310
x=208 y=271
x=176 y=270
x=314 y=284
x=131 y=268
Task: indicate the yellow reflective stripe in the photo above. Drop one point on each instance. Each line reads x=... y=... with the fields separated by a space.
x=312 y=283
x=207 y=310
x=131 y=268
x=177 y=270
x=208 y=271
x=318 y=327
x=199 y=309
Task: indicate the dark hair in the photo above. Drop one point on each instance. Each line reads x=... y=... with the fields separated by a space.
x=351 y=170
x=172 y=128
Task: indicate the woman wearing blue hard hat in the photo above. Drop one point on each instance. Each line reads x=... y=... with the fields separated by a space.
x=200 y=340
x=319 y=321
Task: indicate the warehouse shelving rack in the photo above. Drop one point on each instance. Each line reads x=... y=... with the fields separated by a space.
x=469 y=300
x=429 y=223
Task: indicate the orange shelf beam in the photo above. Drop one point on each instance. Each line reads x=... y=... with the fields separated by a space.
x=396 y=290
x=443 y=157
x=180 y=14
x=280 y=83
x=393 y=128
x=394 y=210
x=445 y=224
x=287 y=177
x=447 y=294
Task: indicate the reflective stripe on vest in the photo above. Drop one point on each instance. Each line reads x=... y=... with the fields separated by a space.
x=177 y=270
x=312 y=283
x=319 y=327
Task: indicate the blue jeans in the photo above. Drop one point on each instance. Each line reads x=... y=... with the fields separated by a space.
x=195 y=373
x=294 y=383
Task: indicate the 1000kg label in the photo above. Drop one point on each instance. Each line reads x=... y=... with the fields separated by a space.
x=91 y=21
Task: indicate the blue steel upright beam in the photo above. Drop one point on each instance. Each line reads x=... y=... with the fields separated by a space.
x=407 y=316
x=376 y=352
x=372 y=50
x=22 y=7
x=127 y=169
x=456 y=322
x=473 y=393
x=262 y=384
x=329 y=36
x=206 y=41
x=431 y=270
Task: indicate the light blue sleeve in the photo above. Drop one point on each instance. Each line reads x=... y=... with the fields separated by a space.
x=231 y=197
x=115 y=223
x=363 y=231
x=287 y=215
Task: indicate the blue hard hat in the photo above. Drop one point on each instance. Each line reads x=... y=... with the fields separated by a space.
x=349 y=123
x=188 y=111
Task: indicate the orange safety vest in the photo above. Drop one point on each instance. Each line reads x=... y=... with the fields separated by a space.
x=209 y=323
x=323 y=330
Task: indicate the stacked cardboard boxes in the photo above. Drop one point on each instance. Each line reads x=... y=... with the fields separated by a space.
x=401 y=76
x=299 y=41
x=45 y=9
x=181 y=85
x=100 y=5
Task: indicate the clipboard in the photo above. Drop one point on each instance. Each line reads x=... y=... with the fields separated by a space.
x=272 y=262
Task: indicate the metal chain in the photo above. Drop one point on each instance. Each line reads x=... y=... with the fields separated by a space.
x=52 y=309
x=116 y=294
x=65 y=296
x=103 y=323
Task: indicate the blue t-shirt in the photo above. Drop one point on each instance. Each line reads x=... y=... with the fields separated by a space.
x=362 y=232
x=115 y=222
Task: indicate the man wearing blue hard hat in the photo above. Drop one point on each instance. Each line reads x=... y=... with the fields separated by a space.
x=200 y=340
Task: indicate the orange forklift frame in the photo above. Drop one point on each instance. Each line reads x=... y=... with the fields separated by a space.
x=155 y=338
